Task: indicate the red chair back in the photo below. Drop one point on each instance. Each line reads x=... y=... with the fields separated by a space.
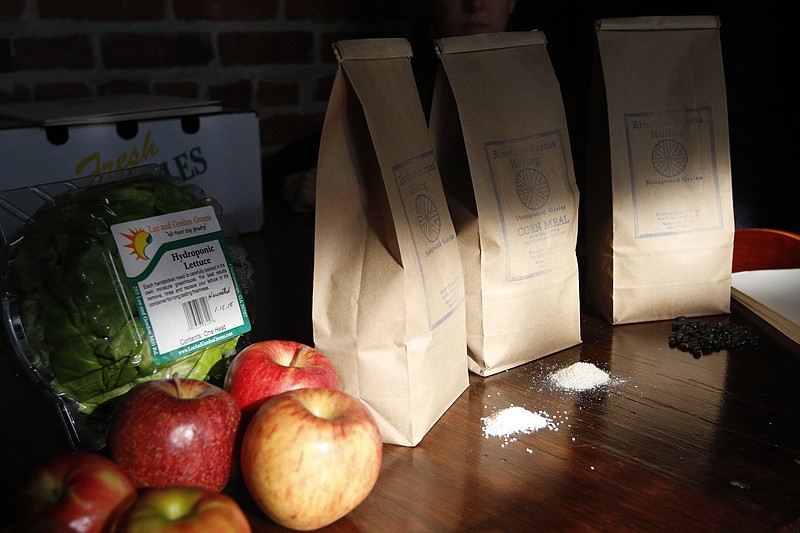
x=763 y=249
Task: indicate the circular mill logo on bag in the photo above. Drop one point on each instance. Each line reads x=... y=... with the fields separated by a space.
x=428 y=217
x=533 y=188
x=669 y=157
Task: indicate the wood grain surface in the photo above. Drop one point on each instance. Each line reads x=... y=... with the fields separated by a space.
x=672 y=443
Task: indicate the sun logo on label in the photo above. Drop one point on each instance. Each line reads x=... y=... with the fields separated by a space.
x=139 y=241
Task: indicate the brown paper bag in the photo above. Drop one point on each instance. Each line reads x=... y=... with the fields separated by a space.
x=388 y=286
x=500 y=135
x=659 y=202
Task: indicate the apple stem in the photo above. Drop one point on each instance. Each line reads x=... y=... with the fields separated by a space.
x=297 y=355
x=176 y=378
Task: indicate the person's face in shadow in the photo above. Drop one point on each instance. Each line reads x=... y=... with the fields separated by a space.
x=468 y=17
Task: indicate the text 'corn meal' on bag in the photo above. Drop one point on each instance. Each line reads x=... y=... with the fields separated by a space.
x=500 y=135
x=659 y=202
x=388 y=285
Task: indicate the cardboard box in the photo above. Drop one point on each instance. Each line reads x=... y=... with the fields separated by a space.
x=195 y=140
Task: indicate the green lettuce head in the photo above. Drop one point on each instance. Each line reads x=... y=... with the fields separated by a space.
x=75 y=303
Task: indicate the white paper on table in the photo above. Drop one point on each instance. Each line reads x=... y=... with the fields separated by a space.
x=774 y=295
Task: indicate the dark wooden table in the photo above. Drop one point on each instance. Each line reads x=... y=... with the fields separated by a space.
x=673 y=443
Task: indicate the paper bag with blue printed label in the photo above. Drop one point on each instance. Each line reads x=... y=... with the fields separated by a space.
x=388 y=285
x=500 y=134
x=659 y=203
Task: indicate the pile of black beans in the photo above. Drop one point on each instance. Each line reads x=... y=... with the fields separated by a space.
x=699 y=337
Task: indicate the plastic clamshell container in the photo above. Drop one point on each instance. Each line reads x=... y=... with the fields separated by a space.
x=70 y=320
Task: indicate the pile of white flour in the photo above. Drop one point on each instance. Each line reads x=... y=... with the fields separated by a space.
x=511 y=420
x=580 y=376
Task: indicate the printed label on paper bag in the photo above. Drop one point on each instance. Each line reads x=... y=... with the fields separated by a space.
x=528 y=177
x=673 y=172
x=183 y=283
x=422 y=196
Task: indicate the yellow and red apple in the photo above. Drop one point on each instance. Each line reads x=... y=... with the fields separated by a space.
x=310 y=456
x=181 y=509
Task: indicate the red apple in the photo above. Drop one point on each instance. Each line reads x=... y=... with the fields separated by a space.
x=77 y=490
x=310 y=456
x=181 y=509
x=175 y=432
x=267 y=368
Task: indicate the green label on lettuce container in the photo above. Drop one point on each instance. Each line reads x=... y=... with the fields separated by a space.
x=183 y=281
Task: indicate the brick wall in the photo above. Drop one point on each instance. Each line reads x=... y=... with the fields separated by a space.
x=273 y=56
